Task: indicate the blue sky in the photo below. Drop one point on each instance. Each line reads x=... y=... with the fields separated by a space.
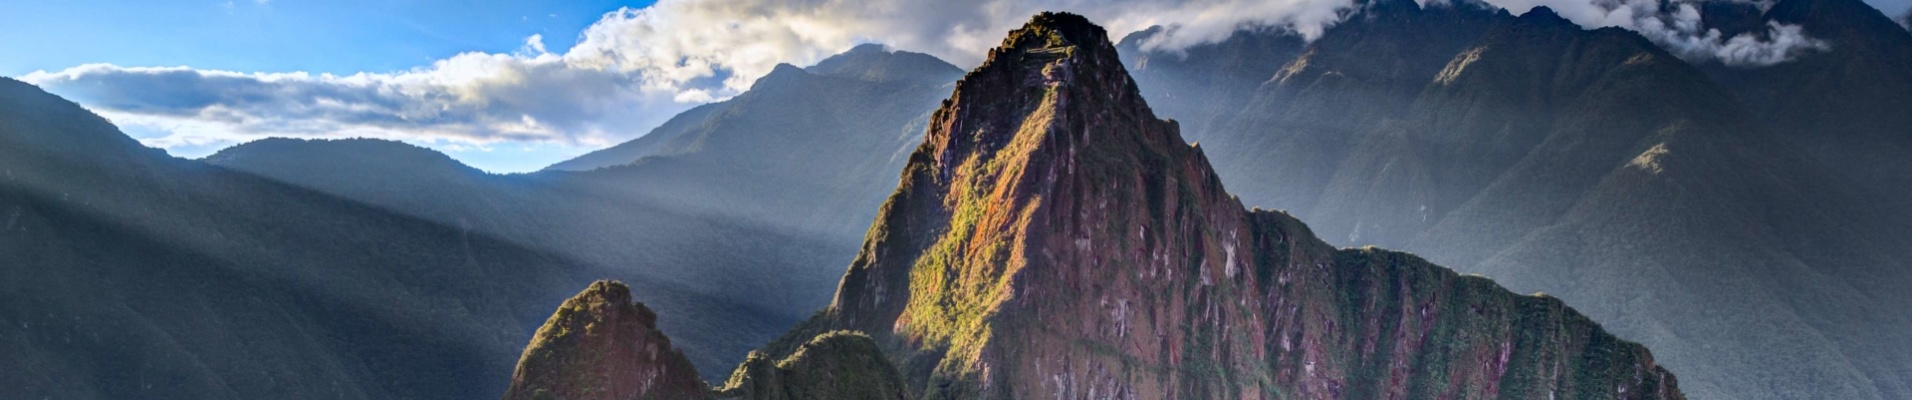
x=339 y=37
x=342 y=36
x=511 y=86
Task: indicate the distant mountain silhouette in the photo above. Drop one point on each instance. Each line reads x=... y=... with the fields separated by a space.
x=760 y=202
x=866 y=76
x=132 y=274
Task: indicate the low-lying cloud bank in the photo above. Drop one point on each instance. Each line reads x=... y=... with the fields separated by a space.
x=469 y=98
x=1677 y=26
x=636 y=67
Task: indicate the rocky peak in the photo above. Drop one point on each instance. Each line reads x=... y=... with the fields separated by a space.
x=602 y=345
x=1057 y=70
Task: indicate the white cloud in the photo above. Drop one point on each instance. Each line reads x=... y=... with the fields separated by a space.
x=627 y=73
x=634 y=68
x=1676 y=26
x=530 y=95
x=712 y=49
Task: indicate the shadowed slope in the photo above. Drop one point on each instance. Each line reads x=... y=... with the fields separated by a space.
x=1594 y=166
x=135 y=275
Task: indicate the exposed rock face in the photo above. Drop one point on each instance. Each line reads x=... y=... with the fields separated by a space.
x=1052 y=239
x=601 y=345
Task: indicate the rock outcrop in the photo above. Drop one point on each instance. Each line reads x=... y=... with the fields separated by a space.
x=601 y=345
x=839 y=365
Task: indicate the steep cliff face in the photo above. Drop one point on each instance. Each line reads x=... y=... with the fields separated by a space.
x=601 y=345
x=1052 y=239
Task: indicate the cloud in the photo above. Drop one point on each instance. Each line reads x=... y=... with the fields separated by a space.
x=628 y=72
x=634 y=68
x=1676 y=26
x=712 y=49
x=530 y=95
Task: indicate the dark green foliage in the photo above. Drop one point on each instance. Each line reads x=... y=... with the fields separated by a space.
x=602 y=345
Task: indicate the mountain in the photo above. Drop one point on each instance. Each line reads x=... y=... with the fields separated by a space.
x=1051 y=238
x=805 y=150
x=1594 y=166
x=1844 y=105
x=601 y=339
x=132 y=274
x=602 y=345
x=870 y=72
x=723 y=272
x=746 y=215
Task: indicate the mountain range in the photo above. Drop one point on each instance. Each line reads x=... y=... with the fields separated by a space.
x=754 y=201
x=1743 y=222
x=1051 y=238
x=132 y=274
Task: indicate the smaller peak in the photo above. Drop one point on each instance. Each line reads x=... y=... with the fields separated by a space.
x=784 y=69
x=1133 y=41
x=600 y=344
x=876 y=62
x=607 y=291
x=868 y=48
x=1392 y=4
x=780 y=76
x=1543 y=14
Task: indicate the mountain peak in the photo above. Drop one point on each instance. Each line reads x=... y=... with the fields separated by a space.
x=1055 y=35
x=1057 y=75
x=1844 y=22
x=868 y=48
x=50 y=126
x=1544 y=14
x=372 y=156
x=1052 y=237
x=602 y=345
x=876 y=63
